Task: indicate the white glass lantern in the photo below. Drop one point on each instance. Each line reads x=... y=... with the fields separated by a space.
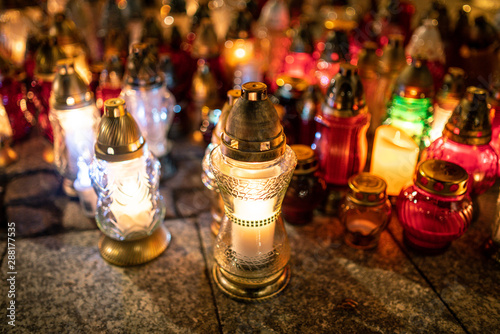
x=74 y=118
x=126 y=178
x=253 y=167
x=150 y=103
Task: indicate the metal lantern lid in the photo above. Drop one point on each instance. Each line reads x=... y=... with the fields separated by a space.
x=205 y=44
x=290 y=87
x=142 y=67
x=336 y=47
x=367 y=189
x=345 y=96
x=393 y=58
x=310 y=102
x=470 y=122
x=442 y=178
x=118 y=137
x=47 y=56
x=415 y=81
x=64 y=30
x=368 y=61
x=453 y=84
x=253 y=131
x=241 y=26
x=302 y=40
x=307 y=162
x=69 y=91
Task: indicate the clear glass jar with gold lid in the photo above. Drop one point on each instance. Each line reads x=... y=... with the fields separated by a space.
x=366 y=211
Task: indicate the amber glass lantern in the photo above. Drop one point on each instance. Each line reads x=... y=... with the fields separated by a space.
x=253 y=167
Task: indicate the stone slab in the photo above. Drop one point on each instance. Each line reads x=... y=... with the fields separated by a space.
x=392 y=297
x=463 y=276
x=35 y=154
x=63 y=285
x=32 y=189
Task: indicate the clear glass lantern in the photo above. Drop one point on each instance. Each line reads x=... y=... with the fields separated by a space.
x=253 y=167
x=207 y=177
x=126 y=177
x=74 y=118
x=150 y=103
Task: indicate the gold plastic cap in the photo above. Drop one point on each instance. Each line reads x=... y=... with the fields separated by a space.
x=119 y=137
x=69 y=89
x=306 y=159
x=442 y=178
x=367 y=189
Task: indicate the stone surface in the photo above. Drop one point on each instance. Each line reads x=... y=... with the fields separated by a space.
x=190 y=202
x=63 y=285
x=391 y=295
x=35 y=154
x=463 y=276
x=32 y=221
x=32 y=189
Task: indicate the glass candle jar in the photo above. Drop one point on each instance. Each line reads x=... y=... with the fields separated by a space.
x=436 y=209
x=74 y=119
x=306 y=190
x=411 y=105
x=341 y=142
x=366 y=211
x=126 y=178
x=466 y=139
x=253 y=167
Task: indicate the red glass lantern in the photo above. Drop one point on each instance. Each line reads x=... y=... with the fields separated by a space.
x=436 y=209
x=466 y=139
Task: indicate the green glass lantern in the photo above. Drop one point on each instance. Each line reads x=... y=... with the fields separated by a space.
x=411 y=107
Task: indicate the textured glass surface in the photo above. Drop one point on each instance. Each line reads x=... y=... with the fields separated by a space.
x=303 y=195
x=252 y=242
x=129 y=203
x=74 y=137
x=413 y=116
x=481 y=162
x=153 y=110
x=431 y=221
x=341 y=146
x=495 y=134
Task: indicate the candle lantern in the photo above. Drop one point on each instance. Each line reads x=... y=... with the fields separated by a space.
x=306 y=190
x=335 y=52
x=341 y=142
x=110 y=80
x=426 y=42
x=253 y=167
x=299 y=62
x=239 y=45
x=126 y=177
x=495 y=123
x=74 y=118
x=394 y=158
x=207 y=177
x=492 y=245
x=150 y=103
x=466 y=139
x=290 y=92
x=447 y=99
x=46 y=59
x=309 y=106
x=366 y=211
x=203 y=95
x=7 y=154
x=436 y=209
x=367 y=67
x=391 y=63
x=67 y=38
x=411 y=105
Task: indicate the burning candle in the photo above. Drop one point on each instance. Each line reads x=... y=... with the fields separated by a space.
x=394 y=158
